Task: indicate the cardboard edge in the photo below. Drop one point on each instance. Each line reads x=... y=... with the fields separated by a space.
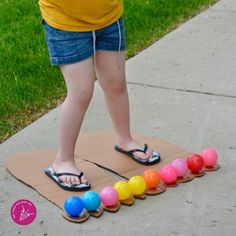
x=97 y=213
x=214 y=168
x=161 y=188
x=140 y=196
x=79 y=219
x=199 y=174
x=128 y=202
x=112 y=209
x=186 y=178
x=172 y=185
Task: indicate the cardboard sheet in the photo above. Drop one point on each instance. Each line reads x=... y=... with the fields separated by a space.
x=29 y=167
x=98 y=148
x=93 y=151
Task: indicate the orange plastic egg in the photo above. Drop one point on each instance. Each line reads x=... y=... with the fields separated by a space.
x=152 y=178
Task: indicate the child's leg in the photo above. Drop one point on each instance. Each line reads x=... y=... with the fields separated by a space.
x=80 y=83
x=111 y=77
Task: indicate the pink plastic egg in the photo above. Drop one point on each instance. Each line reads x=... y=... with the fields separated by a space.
x=168 y=174
x=209 y=156
x=180 y=166
x=109 y=196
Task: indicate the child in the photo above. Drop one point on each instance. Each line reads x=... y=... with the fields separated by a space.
x=83 y=36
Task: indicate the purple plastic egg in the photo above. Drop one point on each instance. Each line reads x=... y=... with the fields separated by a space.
x=180 y=166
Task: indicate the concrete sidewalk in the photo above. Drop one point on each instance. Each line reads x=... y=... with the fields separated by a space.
x=182 y=89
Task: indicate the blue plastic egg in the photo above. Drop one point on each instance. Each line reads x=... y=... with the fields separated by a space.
x=73 y=206
x=91 y=200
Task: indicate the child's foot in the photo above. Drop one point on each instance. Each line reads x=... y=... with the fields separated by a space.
x=69 y=167
x=133 y=144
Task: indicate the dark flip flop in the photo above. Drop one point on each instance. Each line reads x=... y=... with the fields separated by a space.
x=70 y=187
x=152 y=160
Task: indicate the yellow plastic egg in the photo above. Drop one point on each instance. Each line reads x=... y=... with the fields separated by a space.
x=123 y=189
x=137 y=185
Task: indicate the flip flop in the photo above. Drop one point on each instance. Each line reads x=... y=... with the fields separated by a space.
x=70 y=187
x=152 y=160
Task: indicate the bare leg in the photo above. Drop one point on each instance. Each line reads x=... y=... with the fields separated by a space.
x=111 y=77
x=80 y=83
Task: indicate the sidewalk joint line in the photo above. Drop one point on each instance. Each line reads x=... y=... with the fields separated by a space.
x=222 y=10
x=182 y=90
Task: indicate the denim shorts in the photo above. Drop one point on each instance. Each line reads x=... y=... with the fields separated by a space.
x=67 y=47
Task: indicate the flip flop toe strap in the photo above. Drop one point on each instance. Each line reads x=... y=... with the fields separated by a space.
x=154 y=158
x=65 y=173
x=140 y=150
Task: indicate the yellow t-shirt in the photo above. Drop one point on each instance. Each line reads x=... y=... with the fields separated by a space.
x=80 y=15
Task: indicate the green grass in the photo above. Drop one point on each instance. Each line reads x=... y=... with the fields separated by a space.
x=30 y=87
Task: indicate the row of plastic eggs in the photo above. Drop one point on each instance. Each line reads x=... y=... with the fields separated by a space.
x=137 y=185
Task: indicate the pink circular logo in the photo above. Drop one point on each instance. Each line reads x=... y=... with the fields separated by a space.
x=23 y=212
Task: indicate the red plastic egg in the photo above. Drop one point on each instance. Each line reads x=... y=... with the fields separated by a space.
x=195 y=163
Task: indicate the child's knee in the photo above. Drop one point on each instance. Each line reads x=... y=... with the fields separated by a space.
x=116 y=85
x=82 y=97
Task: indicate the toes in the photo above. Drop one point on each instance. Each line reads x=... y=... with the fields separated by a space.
x=141 y=155
x=84 y=180
x=144 y=156
x=68 y=179
x=64 y=179
x=74 y=180
x=149 y=152
x=77 y=181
